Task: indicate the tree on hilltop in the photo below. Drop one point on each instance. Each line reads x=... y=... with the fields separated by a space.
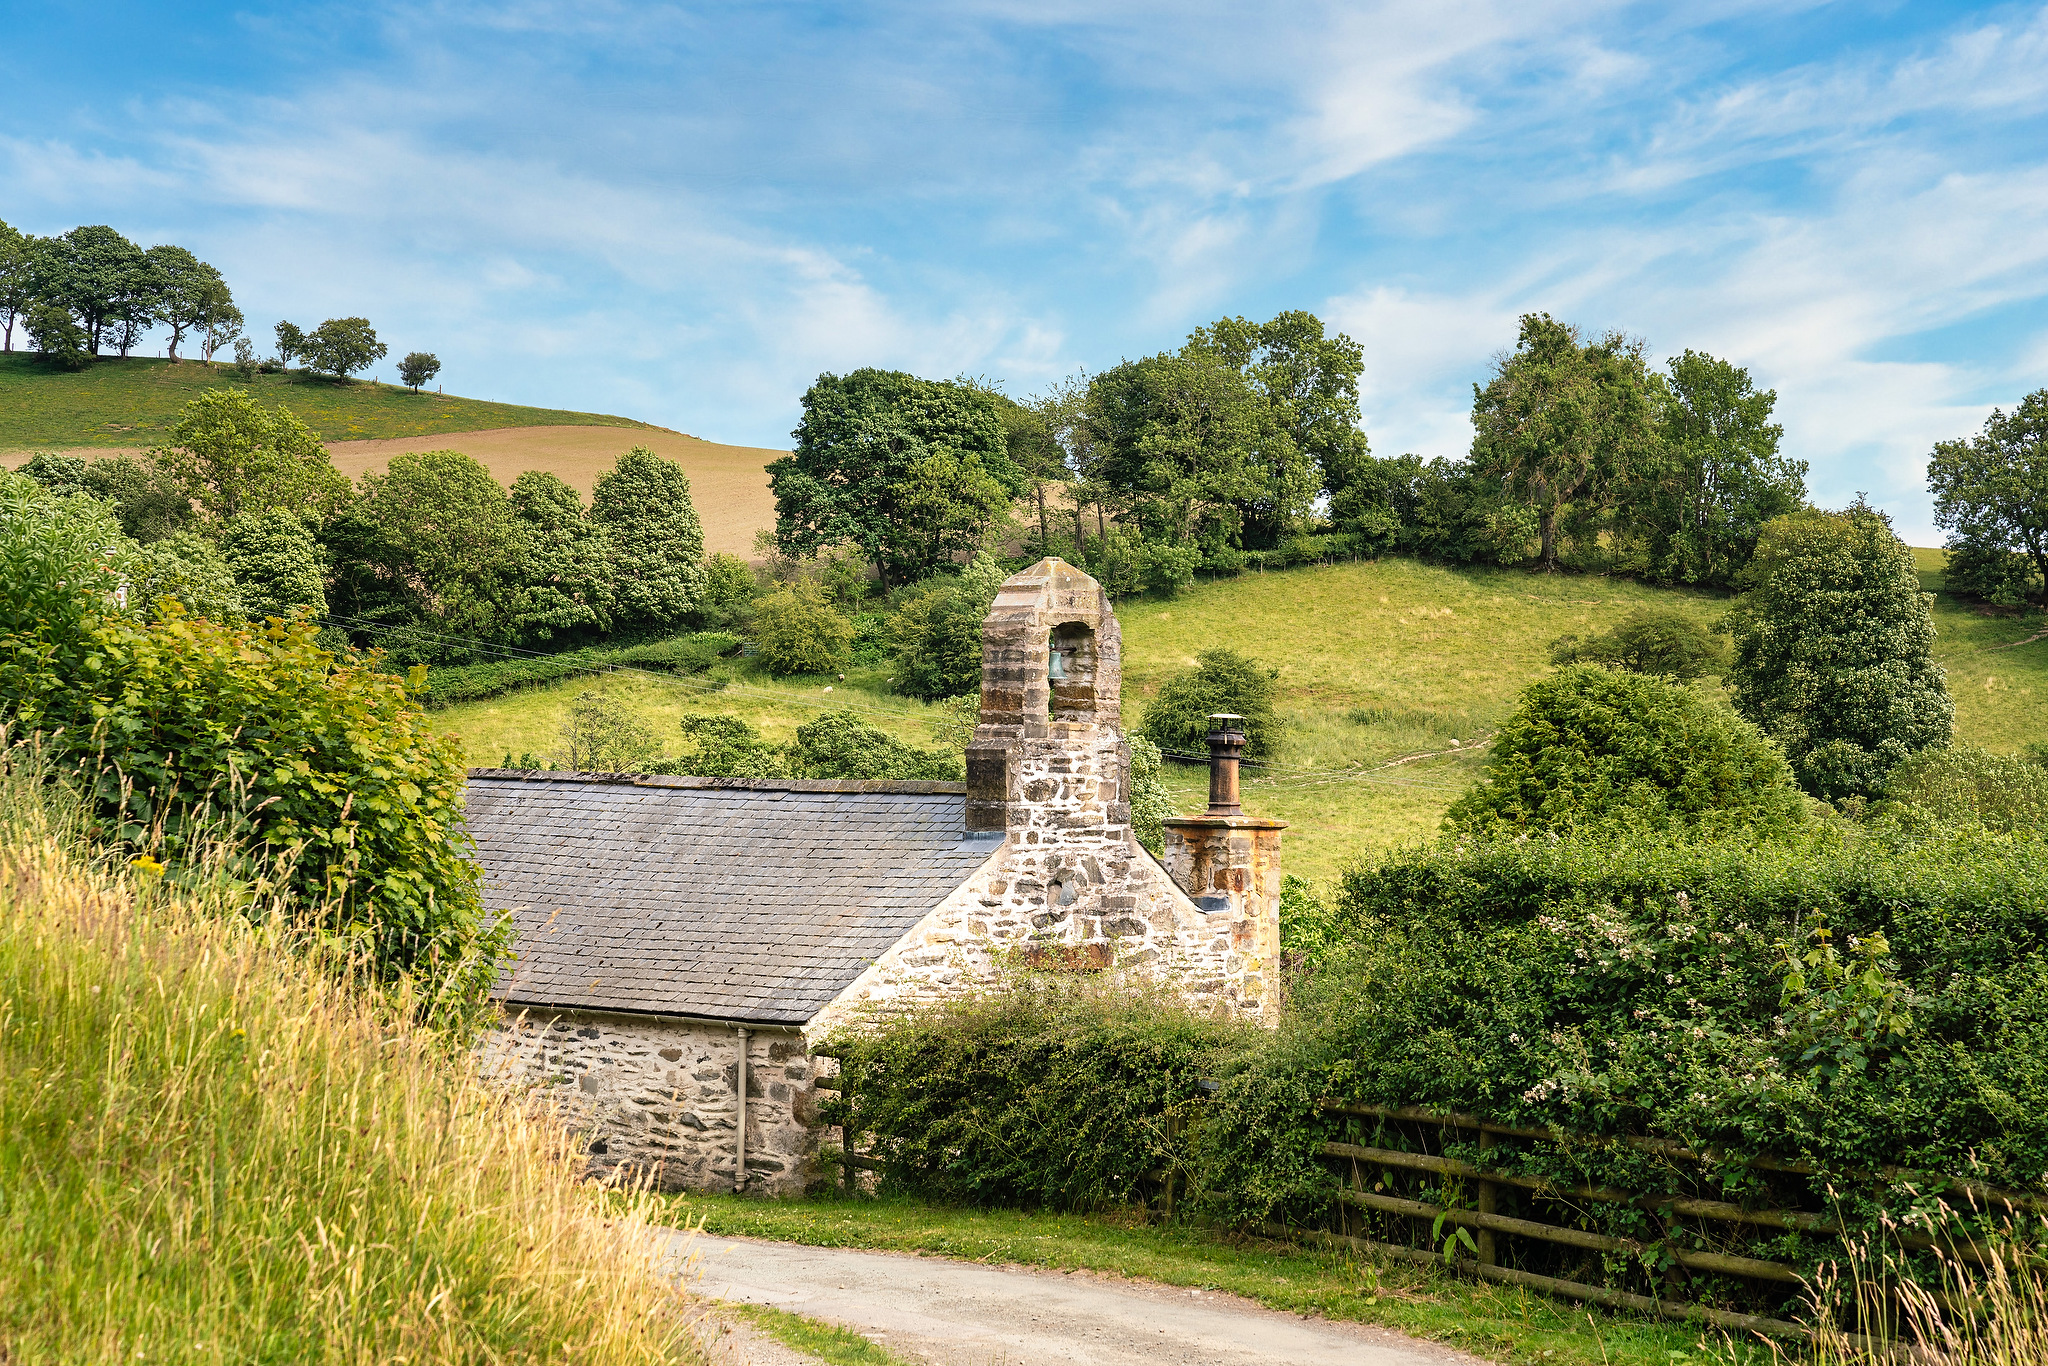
x=1991 y=495
x=190 y=292
x=342 y=346
x=1713 y=477
x=92 y=273
x=417 y=368
x=17 y=278
x=1310 y=381
x=1564 y=423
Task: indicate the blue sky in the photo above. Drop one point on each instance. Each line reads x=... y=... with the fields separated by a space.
x=684 y=213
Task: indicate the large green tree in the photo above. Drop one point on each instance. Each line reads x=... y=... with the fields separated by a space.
x=907 y=471
x=235 y=457
x=1194 y=452
x=567 y=583
x=93 y=273
x=655 y=540
x=437 y=531
x=1834 y=650
x=1991 y=491
x=1311 y=381
x=276 y=564
x=1565 y=423
x=190 y=292
x=17 y=278
x=1714 y=476
x=342 y=346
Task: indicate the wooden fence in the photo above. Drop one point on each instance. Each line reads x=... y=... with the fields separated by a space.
x=1683 y=1219
x=1380 y=1185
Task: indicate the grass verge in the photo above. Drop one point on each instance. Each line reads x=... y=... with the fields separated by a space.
x=1502 y=1323
x=814 y=1337
x=211 y=1152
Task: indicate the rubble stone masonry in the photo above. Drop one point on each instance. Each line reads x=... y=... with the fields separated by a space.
x=659 y=1096
x=1068 y=886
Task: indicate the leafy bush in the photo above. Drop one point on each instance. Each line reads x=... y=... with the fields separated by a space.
x=1151 y=803
x=1644 y=987
x=469 y=682
x=1223 y=681
x=937 y=634
x=1053 y=1091
x=841 y=745
x=150 y=501
x=1591 y=746
x=730 y=588
x=276 y=564
x=183 y=730
x=1660 y=641
x=726 y=747
x=837 y=745
x=1965 y=785
x=59 y=339
x=184 y=567
x=800 y=633
x=602 y=735
x=1834 y=651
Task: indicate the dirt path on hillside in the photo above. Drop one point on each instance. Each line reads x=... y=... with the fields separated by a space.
x=952 y=1313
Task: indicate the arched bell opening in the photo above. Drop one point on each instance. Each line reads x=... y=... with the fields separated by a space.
x=1071 y=659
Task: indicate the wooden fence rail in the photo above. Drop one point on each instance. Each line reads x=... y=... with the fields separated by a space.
x=1487 y=1224
x=1484 y=1219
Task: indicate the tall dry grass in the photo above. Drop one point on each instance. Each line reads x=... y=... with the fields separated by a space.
x=212 y=1152
x=1990 y=1309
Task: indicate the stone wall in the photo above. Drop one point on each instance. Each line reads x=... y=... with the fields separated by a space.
x=658 y=1095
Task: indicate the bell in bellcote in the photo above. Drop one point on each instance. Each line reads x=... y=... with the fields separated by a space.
x=1056 y=666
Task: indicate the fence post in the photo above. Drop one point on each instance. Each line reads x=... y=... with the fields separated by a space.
x=1487 y=1195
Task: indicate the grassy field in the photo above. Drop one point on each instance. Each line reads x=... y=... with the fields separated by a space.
x=1498 y=1322
x=124 y=404
x=1377 y=661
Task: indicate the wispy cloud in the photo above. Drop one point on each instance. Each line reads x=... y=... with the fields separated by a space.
x=688 y=210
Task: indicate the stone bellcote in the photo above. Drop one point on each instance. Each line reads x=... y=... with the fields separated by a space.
x=1048 y=764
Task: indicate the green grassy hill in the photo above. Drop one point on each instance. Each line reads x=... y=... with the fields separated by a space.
x=131 y=403
x=1377 y=662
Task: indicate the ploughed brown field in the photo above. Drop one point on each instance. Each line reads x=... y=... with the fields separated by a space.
x=729 y=484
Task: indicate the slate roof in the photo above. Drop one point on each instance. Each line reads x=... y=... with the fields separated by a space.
x=730 y=899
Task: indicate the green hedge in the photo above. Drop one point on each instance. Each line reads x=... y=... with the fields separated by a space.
x=473 y=682
x=1056 y=1091
x=1642 y=988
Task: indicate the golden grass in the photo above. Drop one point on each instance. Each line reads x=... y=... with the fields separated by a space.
x=211 y=1153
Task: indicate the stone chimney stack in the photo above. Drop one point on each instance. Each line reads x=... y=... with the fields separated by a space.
x=1048 y=764
x=1229 y=863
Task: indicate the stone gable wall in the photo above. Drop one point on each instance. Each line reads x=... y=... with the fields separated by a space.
x=658 y=1096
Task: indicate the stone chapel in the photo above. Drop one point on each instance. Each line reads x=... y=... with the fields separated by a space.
x=683 y=942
